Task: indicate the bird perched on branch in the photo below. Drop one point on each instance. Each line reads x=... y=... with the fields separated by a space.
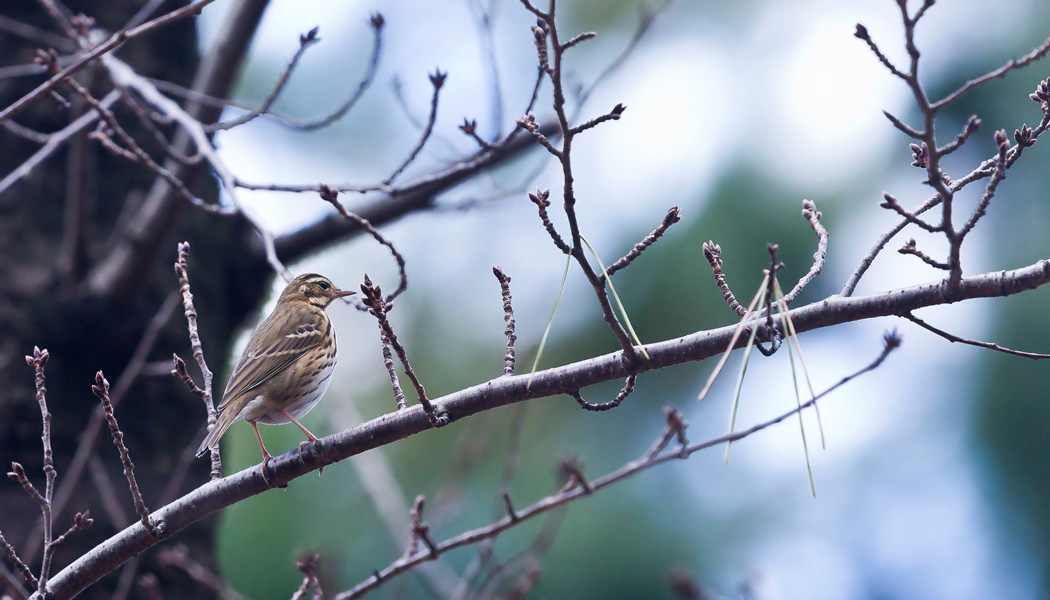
x=287 y=365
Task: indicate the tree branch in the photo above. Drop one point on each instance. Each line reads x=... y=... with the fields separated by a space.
x=501 y=391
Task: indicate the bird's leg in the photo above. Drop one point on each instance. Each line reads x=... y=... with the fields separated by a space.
x=288 y=415
x=312 y=437
x=266 y=455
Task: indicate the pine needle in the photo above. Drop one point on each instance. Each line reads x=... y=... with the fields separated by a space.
x=782 y=306
x=616 y=297
x=798 y=348
x=743 y=370
x=732 y=341
x=546 y=332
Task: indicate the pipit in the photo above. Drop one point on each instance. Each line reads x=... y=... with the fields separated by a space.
x=286 y=367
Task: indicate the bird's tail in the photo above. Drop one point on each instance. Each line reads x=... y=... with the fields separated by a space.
x=220 y=427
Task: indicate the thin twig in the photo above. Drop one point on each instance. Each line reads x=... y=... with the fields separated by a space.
x=1016 y=63
x=331 y=196
x=811 y=214
x=575 y=492
x=132 y=151
x=37 y=361
x=124 y=75
x=673 y=216
x=987 y=345
x=437 y=79
x=101 y=389
x=308 y=567
x=377 y=22
x=373 y=299
x=198 y=352
x=21 y=567
x=55 y=141
x=115 y=40
x=305 y=41
x=508 y=318
x=625 y=391
x=131 y=372
x=676 y=427
x=542 y=203
x=713 y=254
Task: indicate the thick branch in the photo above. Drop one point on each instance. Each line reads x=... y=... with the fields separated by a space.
x=215 y=495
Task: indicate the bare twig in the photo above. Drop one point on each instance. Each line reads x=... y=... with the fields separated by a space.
x=673 y=216
x=470 y=128
x=987 y=345
x=198 y=354
x=612 y=115
x=542 y=203
x=713 y=254
x=133 y=152
x=55 y=141
x=305 y=41
x=420 y=530
x=125 y=76
x=1016 y=63
x=437 y=79
x=35 y=34
x=331 y=196
x=37 y=361
x=115 y=40
x=625 y=391
x=101 y=389
x=508 y=318
x=308 y=567
x=395 y=385
x=911 y=248
x=502 y=391
x=377 y=22
x=131 y=372
x=811 y=214
x=676 y=427
x=377 y=307
x=580 y=488
x=21 y=567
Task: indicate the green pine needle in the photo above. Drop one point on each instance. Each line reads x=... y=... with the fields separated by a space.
x=794 y=379
x=546 y=332
x=805 y=371
x=616 y=297
x=743 y=368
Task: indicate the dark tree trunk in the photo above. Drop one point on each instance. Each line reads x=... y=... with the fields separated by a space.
x=44 y=301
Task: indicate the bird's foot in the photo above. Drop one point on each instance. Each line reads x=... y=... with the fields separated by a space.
x=265 y=468
x=308 y=444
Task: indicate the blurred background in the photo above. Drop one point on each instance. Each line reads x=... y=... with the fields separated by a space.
x=935 y=481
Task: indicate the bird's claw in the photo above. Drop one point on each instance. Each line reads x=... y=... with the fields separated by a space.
x=265 y=466
x=308 y=444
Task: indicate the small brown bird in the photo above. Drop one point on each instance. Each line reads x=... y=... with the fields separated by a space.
x=287 y=365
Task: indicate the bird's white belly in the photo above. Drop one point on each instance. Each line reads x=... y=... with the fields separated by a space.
x=263 y=412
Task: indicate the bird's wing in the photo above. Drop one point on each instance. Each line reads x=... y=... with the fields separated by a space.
x=290 y=336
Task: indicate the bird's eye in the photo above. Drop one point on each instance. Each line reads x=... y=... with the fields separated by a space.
x=323 y=285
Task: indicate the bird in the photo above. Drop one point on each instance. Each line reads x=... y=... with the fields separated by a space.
x=286 y=367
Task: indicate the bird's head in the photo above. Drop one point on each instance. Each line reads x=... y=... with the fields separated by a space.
x=312 y=289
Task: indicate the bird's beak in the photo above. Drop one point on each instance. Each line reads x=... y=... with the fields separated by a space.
x=342 y=293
